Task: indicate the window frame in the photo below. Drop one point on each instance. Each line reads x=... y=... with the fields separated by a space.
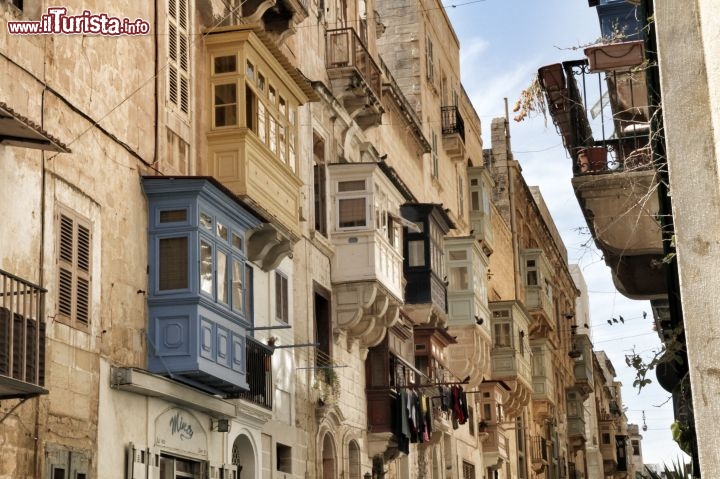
x=355 y=194
x=282 y=298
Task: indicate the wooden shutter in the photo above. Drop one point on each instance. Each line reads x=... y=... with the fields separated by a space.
x=74 y=267
x=57 y=462
x=137 y=462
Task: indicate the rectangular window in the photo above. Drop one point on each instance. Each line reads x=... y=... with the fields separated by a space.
x=74 y=266
x=281 y=298
x=225 y=64
x=468 y=470
x=416 y=253
x=173 y=216
x=248 y=302
x=502 y=335
x=435 y=165
x=352 y=212
x=206 y=268
x=429 y=61
x=487 y=412
x=237 y=241
x=225 y=105
x=605 y=438
x=356 y=185
x=458 y=277
x=532 y=278
x=238 y=276
x=283 y=455
x=250 y=71
x=319 y=185
x=222 y=289
x=475 y=200
x=173 y=263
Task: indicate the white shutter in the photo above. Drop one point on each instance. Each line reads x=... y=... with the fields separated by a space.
x=229 y=471
x=137 y=462
x=153 y=463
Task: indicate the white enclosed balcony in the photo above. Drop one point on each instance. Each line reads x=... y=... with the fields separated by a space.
x=367 y=268
x=543 y=383
x=481 y=186
x=468 y=312
x=511 y=353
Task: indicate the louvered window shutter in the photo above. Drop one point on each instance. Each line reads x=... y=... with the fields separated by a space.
x=74 y=266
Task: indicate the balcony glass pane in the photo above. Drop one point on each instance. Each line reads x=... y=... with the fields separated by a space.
x=357 y=185
x=226 y=105
x=226 y=64
x=173 y=268
x=458 y=278
x=416 y=253
x=351 y=212
x=237 y=285
x=222 y=292
x=460 y=255
x=206 y=267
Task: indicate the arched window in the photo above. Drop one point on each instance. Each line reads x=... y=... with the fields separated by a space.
x=243 y=456
x=354 y=460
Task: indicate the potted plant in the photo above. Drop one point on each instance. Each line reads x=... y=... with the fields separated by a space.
x=592 y=158
x=615 y=56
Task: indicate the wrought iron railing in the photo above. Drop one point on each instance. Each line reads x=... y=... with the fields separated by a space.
x=452 y=121
x=344 y=49
x=539 y=449
x=259 y=374
x=604 y=114
x=22 y=330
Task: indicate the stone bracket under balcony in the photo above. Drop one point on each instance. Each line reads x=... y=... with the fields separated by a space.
x=518 y=396
x=365 y=311
x=470 y=356
x=543 y=409
x=278 y=18
x=453 y=130
x=267 y=246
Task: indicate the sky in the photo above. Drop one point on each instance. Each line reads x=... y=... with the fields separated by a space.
x=502 y=44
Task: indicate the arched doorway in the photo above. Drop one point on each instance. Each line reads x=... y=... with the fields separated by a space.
x=354 y=460
x=243 y=455
x=328 y=458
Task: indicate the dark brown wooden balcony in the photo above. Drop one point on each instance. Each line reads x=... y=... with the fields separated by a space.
x=22 y=337
x=355 y=77
x=259 y=374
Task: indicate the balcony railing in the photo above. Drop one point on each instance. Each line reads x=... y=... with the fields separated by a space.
x=452 y=122
x=22 y=337
x=603 y=113
x=259 y=374
x=345 y=50
x=539 y=450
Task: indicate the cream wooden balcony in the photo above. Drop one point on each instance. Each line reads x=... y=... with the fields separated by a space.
x=253 y=96
x=583 y=364
x=543 y=384
x=367 y=268
x=538 y=292
x=511 y=354
x=495 y=442
x=480 y=184
x=576 y=418
x=469 y=315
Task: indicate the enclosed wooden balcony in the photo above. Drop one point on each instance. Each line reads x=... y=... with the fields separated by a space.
x=511 y=354
x=22 y=337
x=253 y=96
x=481 y=184
x=576 y=418
x=538 y=292
x=543 y=384
x=468 y=312
x=453 y=130
x=582 y=358
x=355 y=77
x=366 y=231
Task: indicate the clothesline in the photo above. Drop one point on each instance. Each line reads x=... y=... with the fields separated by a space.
x=425 y=386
